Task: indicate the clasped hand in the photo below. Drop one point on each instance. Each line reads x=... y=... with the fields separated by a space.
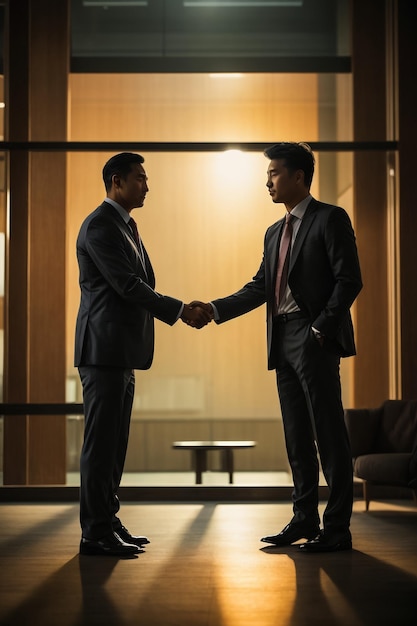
x=197 y=314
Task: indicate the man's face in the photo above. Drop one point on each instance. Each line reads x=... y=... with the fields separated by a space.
x=131 y=191
x=283 y=185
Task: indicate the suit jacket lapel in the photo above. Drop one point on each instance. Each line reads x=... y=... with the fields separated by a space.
x=306 y=222
x=143 y=264
x=271 y=252
x=150 y=276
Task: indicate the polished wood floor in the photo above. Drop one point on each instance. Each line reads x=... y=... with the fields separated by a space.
x=206 y=566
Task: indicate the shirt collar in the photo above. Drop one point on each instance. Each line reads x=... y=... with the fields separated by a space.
x=300 y=208
x=122 y=212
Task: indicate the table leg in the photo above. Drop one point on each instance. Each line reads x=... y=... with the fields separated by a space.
x=228 y=462
x=200 y=459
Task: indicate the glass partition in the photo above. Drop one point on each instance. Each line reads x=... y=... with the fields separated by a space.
x=196 y=73
x=203 y=225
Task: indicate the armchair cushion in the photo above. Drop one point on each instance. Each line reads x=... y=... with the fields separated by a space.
x=384 y=468
x=398 y=427
x=362 y=426
x=384 y=444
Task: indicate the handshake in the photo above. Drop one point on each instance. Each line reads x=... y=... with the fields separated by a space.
x=197 y=314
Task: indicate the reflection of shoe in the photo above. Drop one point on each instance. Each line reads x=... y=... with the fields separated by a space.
x=137 y=540
x=291 y=533
x=110 y=545
x=327 y=543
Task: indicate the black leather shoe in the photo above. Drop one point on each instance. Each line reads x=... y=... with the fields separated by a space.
x=327 y=543
x=109 y=545
x=137 y=540
x=290 y=534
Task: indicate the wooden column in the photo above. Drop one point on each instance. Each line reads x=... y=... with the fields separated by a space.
x=36 y=74
x=407 y=106
x=371 y=371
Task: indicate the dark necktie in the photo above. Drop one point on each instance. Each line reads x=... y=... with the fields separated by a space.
x=135 y=231
x=283 y=260
x=136 y=237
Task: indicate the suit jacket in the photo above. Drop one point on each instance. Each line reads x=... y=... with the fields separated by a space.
x=115 y=322
x=324 y=277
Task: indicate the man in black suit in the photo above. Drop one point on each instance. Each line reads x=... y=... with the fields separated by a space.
x=308 y=294
x=114 y=336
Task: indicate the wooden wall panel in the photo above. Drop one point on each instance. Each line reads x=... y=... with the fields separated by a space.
x=371 y=377
x=35 y=360
x=150 y=444
x=47 y=256
x=269 y=453
x=161 y=435
x=407 y=62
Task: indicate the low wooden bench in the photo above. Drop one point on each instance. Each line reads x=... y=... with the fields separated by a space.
x=199 y=451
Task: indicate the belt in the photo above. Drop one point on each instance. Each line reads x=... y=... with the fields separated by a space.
x=289 y=317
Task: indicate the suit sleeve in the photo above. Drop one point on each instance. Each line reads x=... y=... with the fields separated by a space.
x=344 y=263
x=107 y=249
x=249 y=297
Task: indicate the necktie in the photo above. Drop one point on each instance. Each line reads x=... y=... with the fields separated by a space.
x=136 y=237
x=135 y=231
x=283 y=260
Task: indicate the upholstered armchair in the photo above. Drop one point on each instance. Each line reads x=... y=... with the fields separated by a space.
x=384 y=445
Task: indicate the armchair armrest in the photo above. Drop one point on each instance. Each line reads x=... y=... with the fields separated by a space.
x=361 y=425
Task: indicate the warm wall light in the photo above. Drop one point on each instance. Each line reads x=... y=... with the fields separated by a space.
x=230 y=153
x=231 y=167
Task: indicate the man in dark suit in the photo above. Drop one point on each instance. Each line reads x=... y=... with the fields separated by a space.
x=308 y=293
x=114 y=336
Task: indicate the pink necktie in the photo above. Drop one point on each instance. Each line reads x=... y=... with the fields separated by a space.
x=283 y=260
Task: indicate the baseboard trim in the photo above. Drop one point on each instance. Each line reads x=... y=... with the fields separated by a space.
x=197 y=493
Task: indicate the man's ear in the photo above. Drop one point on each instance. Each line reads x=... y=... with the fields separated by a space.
x=299 y=177
x=115 y=179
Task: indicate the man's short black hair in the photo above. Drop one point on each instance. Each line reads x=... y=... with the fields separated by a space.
x=120 y=164
x=297 y=156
